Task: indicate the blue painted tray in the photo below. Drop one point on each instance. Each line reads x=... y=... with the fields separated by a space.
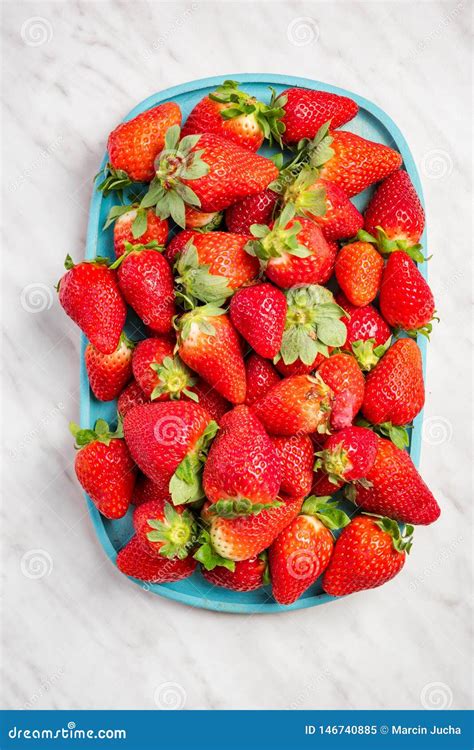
x=372 y=123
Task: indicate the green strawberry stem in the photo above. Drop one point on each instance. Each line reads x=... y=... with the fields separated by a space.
x=267 y=116
x=367 y=354
x=138 y=248
x=115 y=180
x=401 y=540
x=385 y=246
x=101 y=433
x=185 y=485
x=279 y=241
x=207 y=555
x=326 y=510
x=178 y=531
x=175 y=379
x=197 y=281
x=242 y=506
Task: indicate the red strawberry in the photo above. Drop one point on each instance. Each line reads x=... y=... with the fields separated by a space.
x=369 y=552
x=301 y=552
x=396 y=208
x=109 y=373
x=242 y=472
x=325 y=203
x=357 y=163
x=259 y=313
x=296 y=455
x=247 y=536
x=397 y=489
x=307 y=110
x=177 y=244
x=235 y=115
x=293 y=251
x=212 y=265
x=164 y=530
x=256 y=209
x=323 y=486
x=146 y=282
x=207 y=172
x=295 y=406
x=134 y=145
x=209 y=344
x=132 y=224
x=394 y=389
x=247 y=575
x=167 y=441
x=406 y=300
x=298 y=367
x=359 y=270
x=343 y=376
x=89 y=294
x=132 y=560
x=349 y=454
x=210 y=399
x=147 y=491
x=368 y=335
x=261 y=375
x=104 y=468
x=130 y=397
x=204 y=222
x=161 y=375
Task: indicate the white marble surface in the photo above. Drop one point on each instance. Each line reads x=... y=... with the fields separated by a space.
x=82 y=636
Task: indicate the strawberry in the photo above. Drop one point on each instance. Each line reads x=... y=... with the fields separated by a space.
x=369 y=552
x=296 y=405
x=396 y=488
x=210 y=399
x=134 y=561
x=297 y=458
x=368 y=335
x=313 y=326
x=343 y=376
x=200 y=221
x=325 y=203
x=293 y=251
x=235 y=115
x=259 y=313
x=160 y=375
x=261 y=375
x=396 y=209
x=134 y=145
x=301 y=552
x=132 y=224
x=406 y=300
x=109 y=373
x=147 y=491
x=164 y=530
x=255 y=209
x=178 y=243
x=306 y=110
x=394 y=389
x=247 y=536
x=324 y=486
x=349 y=454
x=146 y=282
x=168 y=442
x=212 y=265
x=359 y=270
x=298 y=367
x=209 y=344
x=130 y=397
x=104 y=468
x=89 y=294
x=205 y=171
x=247 y=575
x=242 y=474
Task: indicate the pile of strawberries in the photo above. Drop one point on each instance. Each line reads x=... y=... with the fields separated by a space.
x=271 y=374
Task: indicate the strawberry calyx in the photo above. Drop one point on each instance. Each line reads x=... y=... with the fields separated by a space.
x=207 y=555
x=326 y=510
x=241 y=506
x=185 y=485
x=335 y=463
x=196 y=321
x=424 y=330
x=396 y=433
x=196 y=280
x=268 y=117
x=178 y=161
x=367 y=354
x=115 y=180
x=402 y=540
x=385 y=246
x=306 y=201
x=313 y=323
x=175 y=379
x=136 y=248
x=214 y=222
x=101 y=433
x=178 y=532
x=278 y=241
x=139 y=223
